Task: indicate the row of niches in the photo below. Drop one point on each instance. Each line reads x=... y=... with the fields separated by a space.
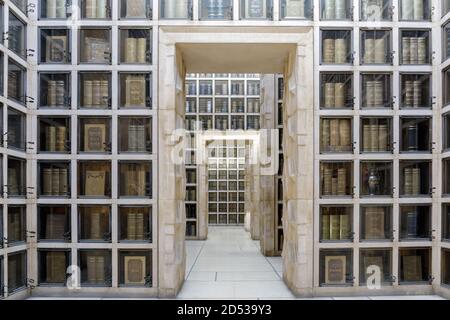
x=95 y=268
x=223 y=87
x=375 y=90
x=370 y=10
x=376 y=47
x=94 y=224
x=376 y=179
x=376 y=223
x=376 y=135
x=223 y=122
x=415 y=266
x=94 y=179
x=94 y=134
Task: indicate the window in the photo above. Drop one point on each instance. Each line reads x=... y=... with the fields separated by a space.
x=176 y=9
x=259 y=9
x=336 y=224
x=415 y=222
x=135 y=90
x=446 y=7
x=16 y=225
x=418 y=10
x=135 y=134
x=206 y=88
x=135 y=179
x=221 y=88
x=205 y=105
x=95 y=135
x=52 y=266
x=54 y=135
x=206 y=122
x=191 y=105
x=376 y=223
x=253 y=105
x=1 y=238
x=376 y=10
x=95 y=90
x=446 y=88
x=95 y=266
x=16 y=129
x=55 y=90
x=221 y=105
x=415 y=134
x=54 y=9
x=416 y=91
x=376 y=178
x=414 y=265
x=96 y=9
x=54 y=45
x=136 y=9
x=237 y=88
x=94 y=179
x=17 y=35
x=135 y=46
x=2 y=40
x=54 y=223
x=337 y=47
x=54 y=179
x=191 y=87
x=415 y=47
x=376 y=47
x=336 y=91
x=376 y=135
x=17 y=76
x=94 y=223
x=335 y=10
x=21 y=5
x=16 y=177
x=253 y=88
x=2 y=70
x=446 y=41
x=376 y=90
x=336 y=179
x=237 y=123
x=135 y=223
x=336 y=135
x=376 y=259
x=95 y=46
x=336 y=267
x=221 y=123
x=415 y=178
x=296 y=9
x=2 y=280
x=17 y=271
x=135 y=268
x=253 y=123
x=446 y=267
x=216 y=10
x=446 y=222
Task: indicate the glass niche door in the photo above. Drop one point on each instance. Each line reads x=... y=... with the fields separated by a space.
x=256 y=9
x=216 y=9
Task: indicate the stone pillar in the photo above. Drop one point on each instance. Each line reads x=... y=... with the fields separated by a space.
x=298 y=178
x=202 y=198
x=171 y=174
x=255 y=199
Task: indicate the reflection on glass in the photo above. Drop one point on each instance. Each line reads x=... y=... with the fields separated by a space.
x=54 y=135
x=95 y=223
x=94 y=179
x=135 y=223
x=336 y=223
x=54 y=90
x=17 y=271
x=52 y=266
x=54 y=223
x=95 y=266
x=336 y=267
x=376 y=223
x=415 y=265
x=415 y=222
x=376 y=178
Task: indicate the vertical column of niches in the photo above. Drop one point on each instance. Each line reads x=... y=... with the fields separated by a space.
x=416 y=144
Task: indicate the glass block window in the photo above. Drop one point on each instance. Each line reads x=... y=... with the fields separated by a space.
x=54 y=9
x=54 y=179
x=54 y=134
x=376 y=178
x=336 y=46
x=376 y=47
x=136 y=9
x=94 y=223
x=374 y=260
x=415 y=47
x=135 y=223
x=52 y=266
x=16 y=177
x=95 y=90
x=135 y=179
x=376 y=90
x=93 y=9
x=135 y=90
x=94 y=179
x=415 y=178
x=336 y=267
x=336 y=179
x=54 y=45
x=336 y=135
x=55 y=90
x=414 y=265
x=95 y=46
x=376 y=10
x=335 y=9
x=296 y=9
x=376 y=135
x=17 y=271
x=415 y=134
x=17 y=35
x=176 y=9
x=416 y=91
x=376 y=223
x=216 y=10
x=16 y=136
x=135 y=268
x=336 y=91
x=17 y=225
x=135 y=46
x=95 y=266
x=256 y=9
x=415 y=222
x=54 y=223
x=417 y=10
x=135 y=134
x=336 y=223
x=17 y=77
x=94 y=135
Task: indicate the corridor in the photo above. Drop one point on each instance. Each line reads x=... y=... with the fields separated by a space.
x=229 y=265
